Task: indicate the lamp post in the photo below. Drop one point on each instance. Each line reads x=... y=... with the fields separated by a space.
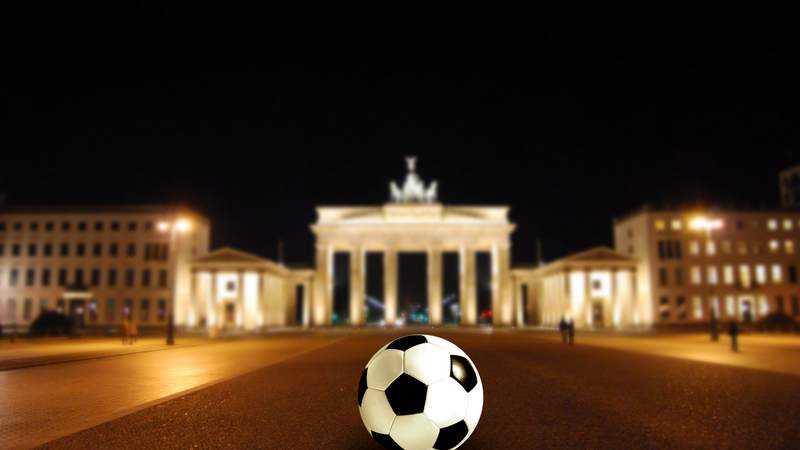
x=179 y=226
x=707 y=225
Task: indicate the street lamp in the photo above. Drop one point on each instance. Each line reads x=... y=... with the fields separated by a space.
x=175 y=228
x=702 y=223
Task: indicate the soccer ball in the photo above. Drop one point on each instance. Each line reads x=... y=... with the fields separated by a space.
x=420 y=392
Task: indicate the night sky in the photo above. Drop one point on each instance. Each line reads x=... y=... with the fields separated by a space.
x=254 y=117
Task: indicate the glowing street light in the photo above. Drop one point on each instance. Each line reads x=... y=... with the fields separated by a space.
x=707 y=225
x=179 y=226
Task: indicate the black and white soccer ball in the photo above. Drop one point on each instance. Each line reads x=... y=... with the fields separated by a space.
x=420 y=392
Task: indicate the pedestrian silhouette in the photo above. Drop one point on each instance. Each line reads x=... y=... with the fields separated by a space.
x=571 y=331
x=562 y=327
x=733 y=330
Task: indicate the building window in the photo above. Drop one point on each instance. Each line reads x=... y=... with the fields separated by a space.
x=697 y=304
x=65 y=226
x=660 y=225
x=678 y=249
x=127 y=308
x=47 y=249
x=113 y=249
x=32 y=249
x=13 y=277
x=713 y=275
x=711 y=248
x=744 y=276
x=677 y=225
x=16 y=249
x=144 y=310
x=95 y=277
x=680 y=308
x=62 y=277
x=761 y=274
x=727 y=247
x=663 y=308
x=64 y=249
x=741 y=247
x=17 y=226
x=115 y=226
x=93 y=311
x=788 y=225
x=131 y=226
x=697 y=276
x=112 y=277
x=662 y=250
x=27 y=309
x=98 y=226
x=788 y=247
x=30 y=277
x=49 y=226
x=129 y=277
x=111 y=310
x=162 y=310
x=81 y=226
x=97 y=249
x=777 y=274
x=33 y=226
x=663 y=276
x=146 y=278
x=795 y=305
x=728 y=274
x=131 y=249
x=80 y=249
x=79 y=277
x=730 y=306
x=791 y=274
x=2 y=226
x=43 y=305
x=740 y=225
x=694 y=248
x=45 y=277
x=772 y=224
x=148 y=226
x=2 y=249
x=779 y=307
x=162 y=278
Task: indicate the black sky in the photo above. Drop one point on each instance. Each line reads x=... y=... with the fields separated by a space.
x=571 y=116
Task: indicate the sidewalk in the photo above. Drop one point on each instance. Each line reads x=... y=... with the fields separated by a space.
x=42 y=351
x=771 y=352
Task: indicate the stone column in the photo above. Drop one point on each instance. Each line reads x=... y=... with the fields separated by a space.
x=357 y=288
x=261 y=308
x=502 y=297
x=587 y=297
x=616 y=306
x=306 y=305
x=435 y=285
x=211 y=305
x=194 y=312
x=240 y=313
x=390 y=285
x=321 y=300
x=566 y=306
x=633 y=301
x=469 y=306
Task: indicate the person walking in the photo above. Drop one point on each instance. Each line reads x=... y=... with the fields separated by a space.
x=562 y=328
x=571 y=331
x=733 y=331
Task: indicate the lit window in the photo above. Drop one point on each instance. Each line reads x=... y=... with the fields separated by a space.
x=677 y=225
x=756 y=248
x=774 y=246
x=788 y=225
x=660 y=225
x=763 y=305
x=711 y=248
x=788 y=247
x=730 y=306
x=694 y=248
x=697 y=276
x=713 y=275
x=777 y=273
x=728 y=274
x=715 y=306
x=697 y=302
x=727 y=247
x=744 y=276
x=761 y=274
x=772 y=224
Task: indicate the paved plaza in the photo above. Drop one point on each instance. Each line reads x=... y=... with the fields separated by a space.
x=298 y=391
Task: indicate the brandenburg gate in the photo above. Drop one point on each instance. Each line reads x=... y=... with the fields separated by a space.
x=414 y=221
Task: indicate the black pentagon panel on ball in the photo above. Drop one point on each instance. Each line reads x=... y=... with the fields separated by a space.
x=362 y=386
x=462 y=371
x=450 y=436
x=386 y=441
x=407 y=395
x=406 y=342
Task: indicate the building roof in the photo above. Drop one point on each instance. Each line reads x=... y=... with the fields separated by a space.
x=231 y=255
x=229 y=258
x=596 y=257
x=716 y=209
